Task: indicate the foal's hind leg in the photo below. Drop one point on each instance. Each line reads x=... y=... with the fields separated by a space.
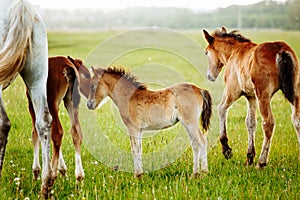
x=268 y=124
x=71 y=102
x=198 y=142
x=56 y=135
x=4 y=129
x=251 y=126
x=36 y=168
x=296 y=120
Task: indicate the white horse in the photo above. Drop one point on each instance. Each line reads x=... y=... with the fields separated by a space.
x=24 y=51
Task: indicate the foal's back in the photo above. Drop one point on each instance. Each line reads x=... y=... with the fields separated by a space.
x=157 y=109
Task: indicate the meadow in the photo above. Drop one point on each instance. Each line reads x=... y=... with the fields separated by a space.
x=168 y=156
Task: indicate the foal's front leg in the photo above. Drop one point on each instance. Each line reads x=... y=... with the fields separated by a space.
x=227 y=100
x=251 y=127
x=136 y=148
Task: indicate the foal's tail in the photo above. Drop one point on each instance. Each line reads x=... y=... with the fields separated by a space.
x=17 y=44
x=286 y=65
x=206 y=110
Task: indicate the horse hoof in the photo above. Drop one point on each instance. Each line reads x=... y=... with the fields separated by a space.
x=79 y=178
x=260 y=165
x=36 y=174
x=63 y=172
x=250 y=159
x=199 y=175
x=46 y=193
x=228 y=153
x=138 y=175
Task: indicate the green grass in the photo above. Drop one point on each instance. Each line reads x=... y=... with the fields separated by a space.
x=225 y=180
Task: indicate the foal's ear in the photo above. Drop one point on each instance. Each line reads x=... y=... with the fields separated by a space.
x=71 y=59
x=95 y=71
x=224 y=29
x=210 y=39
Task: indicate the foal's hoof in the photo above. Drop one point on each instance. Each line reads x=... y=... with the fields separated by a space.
x=260 y=165
x=79 y=178
x=250 y=159
x=199 y=175
x=227 y=153
x=63 y=172
x=138 y=175
x=36 y=173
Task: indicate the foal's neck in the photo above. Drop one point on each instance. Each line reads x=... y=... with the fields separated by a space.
x=120 y=90
x=84 y=85
x=233 y=50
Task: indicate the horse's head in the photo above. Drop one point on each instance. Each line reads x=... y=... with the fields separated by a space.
x=98 y=89
x=215 y=64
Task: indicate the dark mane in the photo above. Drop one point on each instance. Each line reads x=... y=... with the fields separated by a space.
x=120 y=71
x=232 y=34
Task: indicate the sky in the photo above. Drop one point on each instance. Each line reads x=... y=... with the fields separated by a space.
x=119 y=4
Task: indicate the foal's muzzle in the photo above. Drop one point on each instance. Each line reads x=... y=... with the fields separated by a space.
x=91 y=104
x=210 y=77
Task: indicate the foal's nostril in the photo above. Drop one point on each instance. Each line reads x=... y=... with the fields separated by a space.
x=210 y=77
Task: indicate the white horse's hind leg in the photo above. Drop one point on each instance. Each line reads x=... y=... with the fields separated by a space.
x=4 y=129
x=35 y=75
x=36 y=168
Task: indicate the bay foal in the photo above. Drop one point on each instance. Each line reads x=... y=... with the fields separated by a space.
x=142 y=109
x=256 y=71
x=66 y=77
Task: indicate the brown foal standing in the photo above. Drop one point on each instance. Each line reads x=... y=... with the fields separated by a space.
x=257 y=72
x=66 y=77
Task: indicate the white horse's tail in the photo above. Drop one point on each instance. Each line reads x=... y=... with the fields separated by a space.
x=17 y=44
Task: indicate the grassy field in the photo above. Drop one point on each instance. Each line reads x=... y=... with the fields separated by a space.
x=168 y=157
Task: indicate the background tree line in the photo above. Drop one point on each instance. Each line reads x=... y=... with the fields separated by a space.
x=265 y=14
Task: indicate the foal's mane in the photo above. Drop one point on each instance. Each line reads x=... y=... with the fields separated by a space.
x=122 y=73
x=233 y=34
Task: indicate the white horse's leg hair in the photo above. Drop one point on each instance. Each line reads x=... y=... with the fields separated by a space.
x=36 y=84
x=36 y=168
x=4 y=129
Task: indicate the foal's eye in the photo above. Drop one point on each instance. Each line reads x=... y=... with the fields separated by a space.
x=206 y=52
x=93 y=87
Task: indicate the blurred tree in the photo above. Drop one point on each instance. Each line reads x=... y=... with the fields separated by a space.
x=294 y=14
